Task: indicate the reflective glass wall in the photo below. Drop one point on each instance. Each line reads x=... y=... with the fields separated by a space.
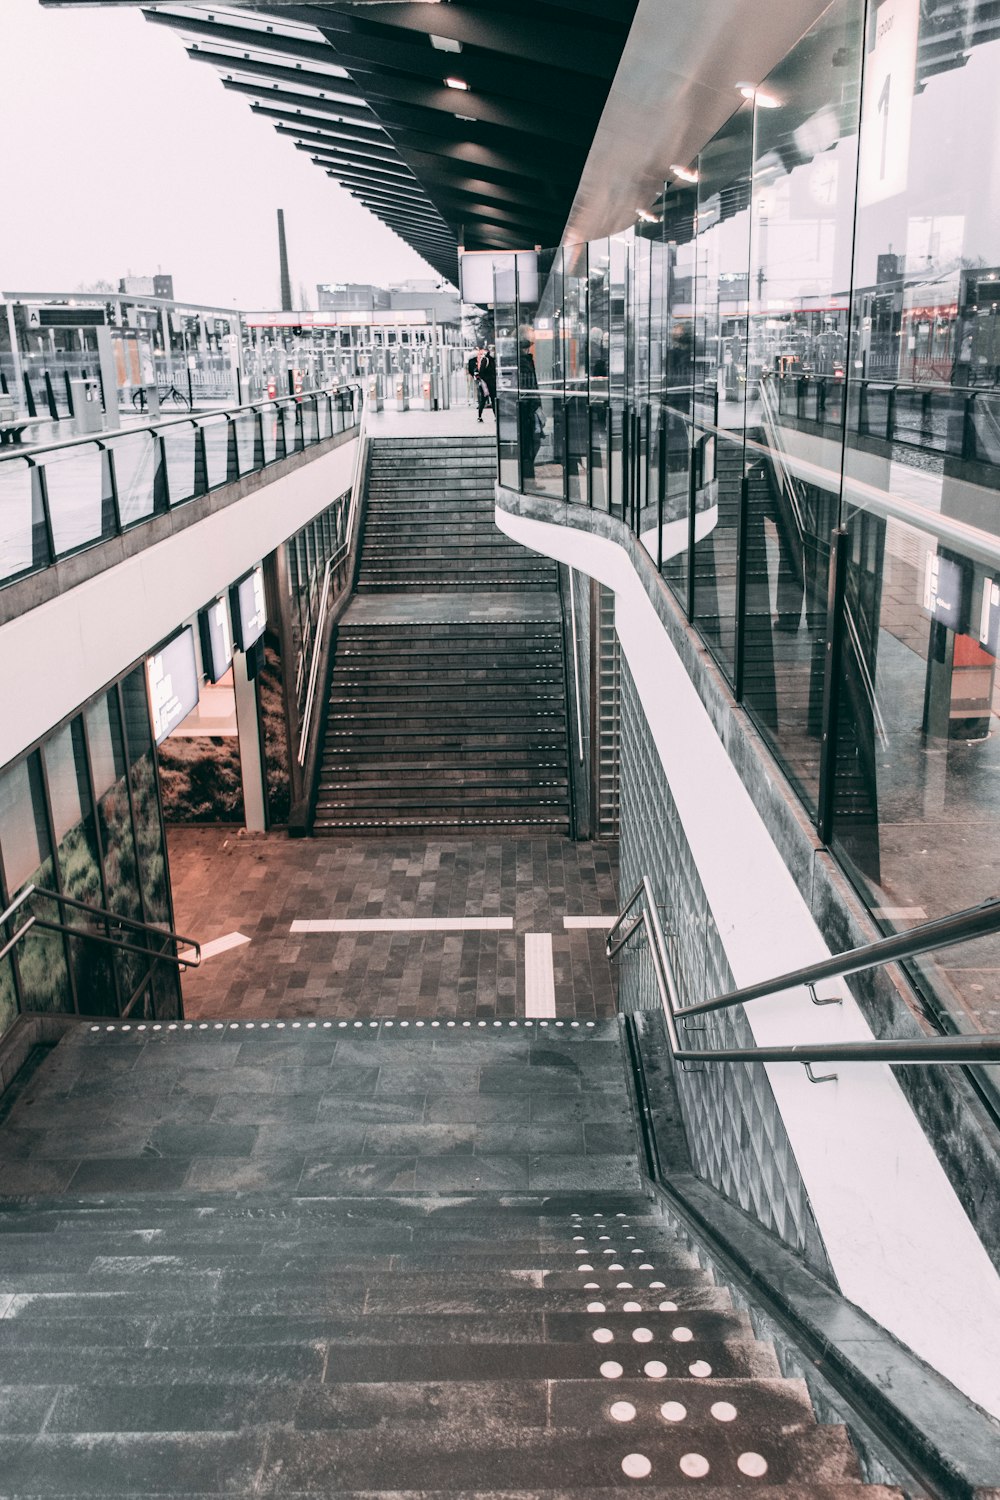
x=80 y=817
x=785 y=378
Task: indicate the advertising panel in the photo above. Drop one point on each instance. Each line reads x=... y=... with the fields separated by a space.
x=887 y=100
x=216 y=640
x=249 y=609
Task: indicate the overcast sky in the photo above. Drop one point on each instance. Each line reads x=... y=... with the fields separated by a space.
x=122 y=155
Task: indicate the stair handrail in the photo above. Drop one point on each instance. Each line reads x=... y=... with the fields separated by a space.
x=940 y=932
x=342 y=552
x=192 y=949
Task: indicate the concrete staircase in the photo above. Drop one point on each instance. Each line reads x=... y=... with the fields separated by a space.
x=416 y=1273
x=447 y=702
x=429 y=521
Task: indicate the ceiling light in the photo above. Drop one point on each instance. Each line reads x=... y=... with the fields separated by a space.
x=759 y=96
x=445 y=43
x=686 y=174
x=471 y=119
x=646 y=216
x=457 y=83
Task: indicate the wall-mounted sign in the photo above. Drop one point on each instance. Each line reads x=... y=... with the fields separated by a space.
x=172 y=675
x=887 y=100
x=216 y=640
x=249 y=610
x=989 y=616
x=943 y=591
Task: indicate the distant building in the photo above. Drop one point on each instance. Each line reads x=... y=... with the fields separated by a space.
x=426 y=295
x=146 y=286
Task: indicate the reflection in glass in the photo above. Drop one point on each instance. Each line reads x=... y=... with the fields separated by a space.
x=27 y=859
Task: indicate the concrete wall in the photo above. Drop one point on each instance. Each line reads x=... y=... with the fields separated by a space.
x=60 y=652
x=896 y=1233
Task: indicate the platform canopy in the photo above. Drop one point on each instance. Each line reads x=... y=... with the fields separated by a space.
x=457 y=122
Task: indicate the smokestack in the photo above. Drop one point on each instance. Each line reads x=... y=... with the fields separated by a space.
x=286 y=280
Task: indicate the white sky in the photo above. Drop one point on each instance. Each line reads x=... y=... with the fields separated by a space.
x=122 y=155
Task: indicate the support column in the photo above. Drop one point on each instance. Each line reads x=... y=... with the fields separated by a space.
x=251 y=755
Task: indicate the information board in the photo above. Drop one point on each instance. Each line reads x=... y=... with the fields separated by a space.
x=249 y=609
x=216 y=640
x=172 y=675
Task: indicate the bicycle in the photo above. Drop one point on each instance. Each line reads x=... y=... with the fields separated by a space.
x=170 y=396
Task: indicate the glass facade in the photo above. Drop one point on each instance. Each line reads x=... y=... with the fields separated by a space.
x=786 y=380
x=80 y=818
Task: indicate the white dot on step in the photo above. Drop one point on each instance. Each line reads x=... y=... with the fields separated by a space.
x=580 y=1252
x=603 y=1336
x=647 y=1265
x=753 y=1464
x=701 y=1369
x=694 y=1465
x=615 y=1266
x=668 y=1307
x=655 y=1286
x=583 y=1266
x=682 y=1335
x=631 y=1307
x=579 y=1236
x=655 y=1369
x=603 y=1236
x=611 y=1370
x=594 y=1307
x=636 y=1465
x=642 y=1335
x=623 y=1411
x=673 y=1411
x=723 y=1411
x=621 y=1216
x=591 y=1286
x=624 y=1286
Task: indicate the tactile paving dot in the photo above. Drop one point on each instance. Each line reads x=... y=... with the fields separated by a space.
x=753 y=1464
x=596 y=1307
x=611 y=1370
x=682 y=1335
x=647 y=1265
x=585 y=1266
x=673 y=1411
x=723 y=1411
x=701 y=1369
x=591 y=1286
x=631 y=1307
x=614 y=1266
x=694 y=1465
x=603 y=1336
x=657 y=1286
x=636 y=1465
x=668 y=1307
x=655 y=1369
x=624 y=1286
x=642 y=1335
x=623 y=1411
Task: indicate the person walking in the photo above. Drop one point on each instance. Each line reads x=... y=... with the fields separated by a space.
x=483 y=368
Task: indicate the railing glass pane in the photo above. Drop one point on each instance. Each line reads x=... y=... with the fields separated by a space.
x=134 y=458
x=79 y=496
x=179 y=452
x=23 y=543
x=216 y=435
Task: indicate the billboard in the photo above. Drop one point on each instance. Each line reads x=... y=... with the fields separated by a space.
x=216 y=640
x=249 y=609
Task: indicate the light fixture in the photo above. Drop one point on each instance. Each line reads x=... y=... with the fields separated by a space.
x=471 y=119
x=686 y=174
x=445 y=43
x=646 y=216
x=457 y=83
x=759 y=96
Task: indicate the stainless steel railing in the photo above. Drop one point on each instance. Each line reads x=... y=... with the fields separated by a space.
x=943 y=932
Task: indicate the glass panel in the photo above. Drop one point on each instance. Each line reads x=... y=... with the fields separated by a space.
x=8 y=994
x=599 y=305
x=134 y=459
x=310 y=428
x=619 y=246
x=323 y=420
x=27 y=859
x=215 y=431
x=179 y=449
x=800 y=272
x=680 y=205
x=246 y=440
x=270 y=418
x=542 y=444
x=289 y=420
x=78 y=496
x=720 y=376
x=23 y=543
x=78 y=861
x=508 y=438
x=599 y=454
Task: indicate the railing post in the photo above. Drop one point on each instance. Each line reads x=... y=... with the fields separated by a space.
x=692 y=497
x=890 y=414
x=29 y=396
x=40 y=500
x=258 y=440
x=969 y=444
x=564 y=423
x=232 y=452
x=161 y=479
x=832 y=673
x=661 y=489
x=109 y=459
x=50 y=396
x=200 y=486
x=742 y=524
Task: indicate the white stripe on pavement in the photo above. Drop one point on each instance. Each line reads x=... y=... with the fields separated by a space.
x=217 y=945
x=604 y=922
x=407 y=924
x=539 y=978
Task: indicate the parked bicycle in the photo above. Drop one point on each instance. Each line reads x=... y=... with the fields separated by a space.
x=170 y=396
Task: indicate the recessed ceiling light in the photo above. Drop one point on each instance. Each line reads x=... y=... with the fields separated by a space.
x=759 y=96
x=686 y=174
x=445 y=43
x=457 y=83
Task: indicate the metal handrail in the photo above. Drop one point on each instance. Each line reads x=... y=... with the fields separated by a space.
x=345 y=549
x=958 y=927
x=110 y=434
x=104 y=915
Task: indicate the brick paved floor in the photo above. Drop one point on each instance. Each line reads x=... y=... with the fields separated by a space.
x=257 y=885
